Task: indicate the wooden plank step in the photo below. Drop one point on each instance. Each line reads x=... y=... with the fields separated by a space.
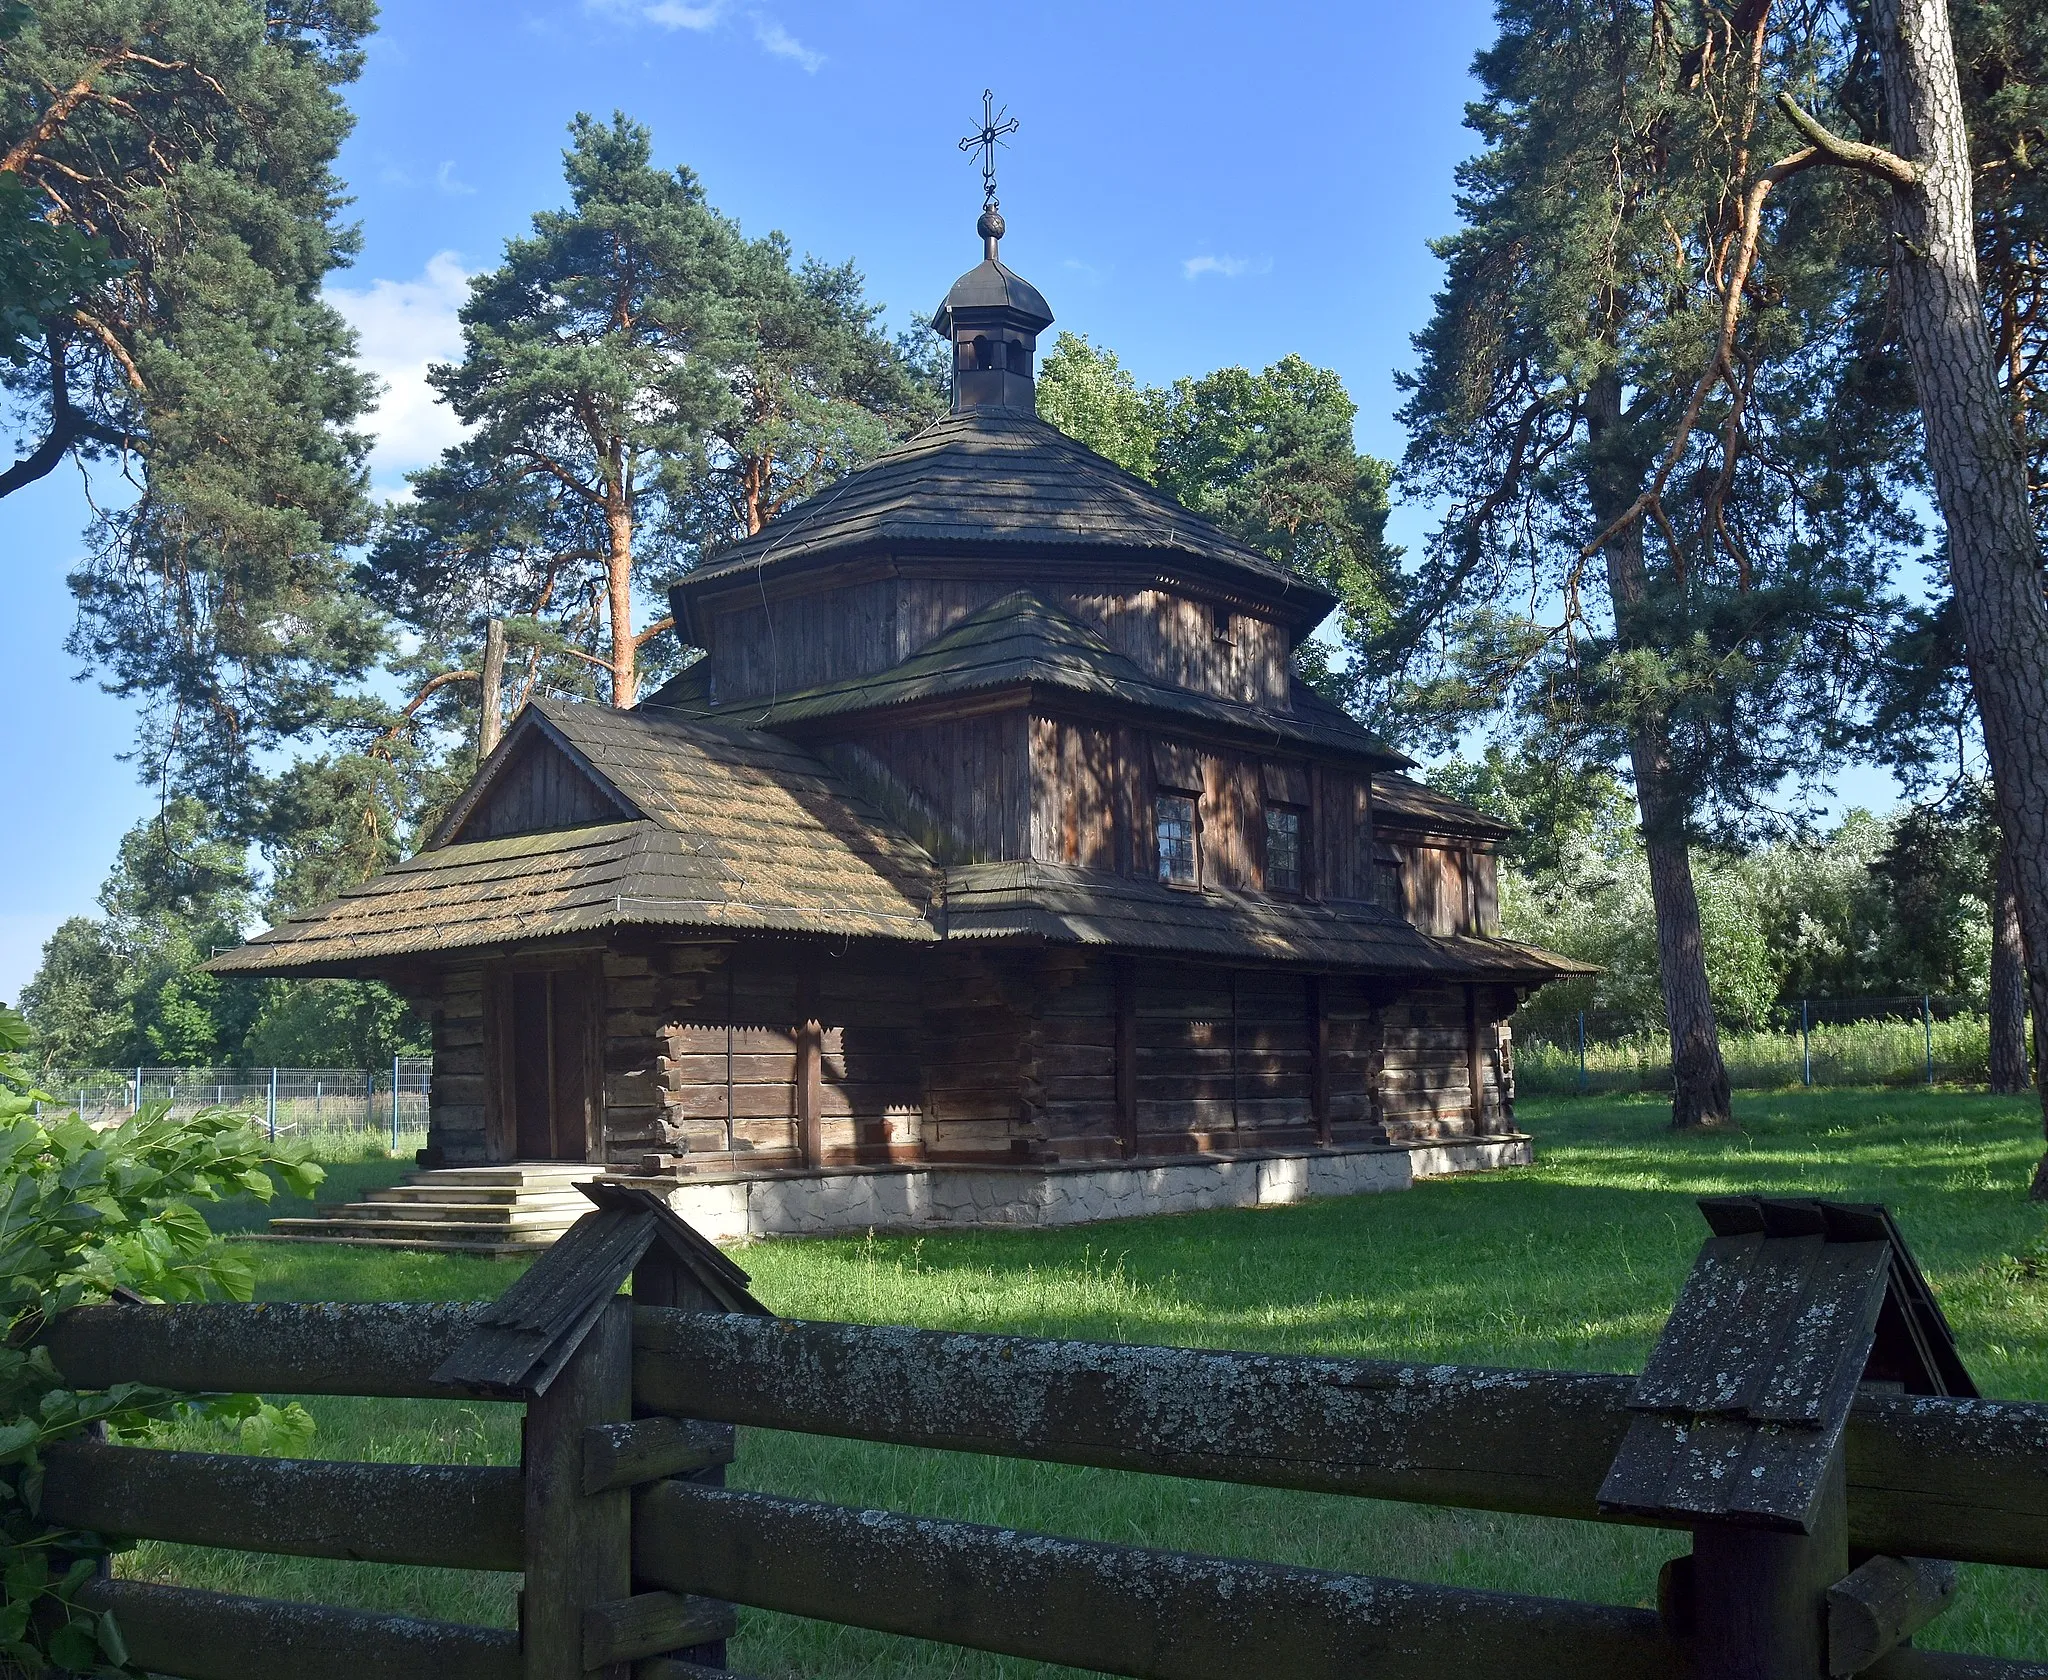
x=485 y=1213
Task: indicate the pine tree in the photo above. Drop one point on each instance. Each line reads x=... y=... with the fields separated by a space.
x=167 y=209
x=1654 y=424
x=645 y=383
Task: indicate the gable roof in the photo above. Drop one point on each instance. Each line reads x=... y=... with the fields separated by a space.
x=996 y=481
x=734 y=829
x=1021 y=639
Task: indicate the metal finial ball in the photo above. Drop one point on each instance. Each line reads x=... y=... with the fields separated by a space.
x=991 y=225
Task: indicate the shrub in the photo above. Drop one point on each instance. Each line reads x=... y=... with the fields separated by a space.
x=83 y=1214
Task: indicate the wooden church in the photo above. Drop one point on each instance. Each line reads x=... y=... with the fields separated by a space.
x=990 y=830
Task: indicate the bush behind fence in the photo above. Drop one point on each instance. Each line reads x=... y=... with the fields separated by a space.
x=1936 y=1047
x=358 y=1105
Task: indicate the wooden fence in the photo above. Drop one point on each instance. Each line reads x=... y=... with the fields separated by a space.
x=1834 y=1473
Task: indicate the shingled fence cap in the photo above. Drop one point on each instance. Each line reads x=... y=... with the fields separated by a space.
x=523 y=1339
x=1790 y=1309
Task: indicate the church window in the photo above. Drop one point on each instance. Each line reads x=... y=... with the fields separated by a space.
x=1173 y=817
x=1283 y=849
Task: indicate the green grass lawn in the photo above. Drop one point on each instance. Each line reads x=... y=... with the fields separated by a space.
x=1573 y=1262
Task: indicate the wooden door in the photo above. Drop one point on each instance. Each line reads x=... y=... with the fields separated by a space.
x=548 y=1103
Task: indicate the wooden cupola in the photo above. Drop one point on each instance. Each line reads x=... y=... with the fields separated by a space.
x=992 y=317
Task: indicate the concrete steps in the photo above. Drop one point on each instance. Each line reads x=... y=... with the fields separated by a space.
x=512 y=1209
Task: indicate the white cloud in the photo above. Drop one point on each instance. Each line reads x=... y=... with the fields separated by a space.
x=773 y=38
x=700 y=16
x=1225 y=268
x=401 y=326
x=673 y=14
x=444 y=178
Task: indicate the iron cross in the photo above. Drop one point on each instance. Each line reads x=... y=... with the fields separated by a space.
x=995 y=125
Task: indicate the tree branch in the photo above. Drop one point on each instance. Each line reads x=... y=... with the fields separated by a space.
x=427 y=688
x=1850 y=154
x=56 y=116
x=653 y=630
x=68 y=425
x=1719 y=364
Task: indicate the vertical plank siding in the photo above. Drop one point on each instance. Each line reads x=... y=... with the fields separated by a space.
x=1173 y=637
x=542 y=788
x=800 y=638
x=973 y=775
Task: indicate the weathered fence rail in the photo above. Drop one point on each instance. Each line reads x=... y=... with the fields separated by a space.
x=1791 y=1346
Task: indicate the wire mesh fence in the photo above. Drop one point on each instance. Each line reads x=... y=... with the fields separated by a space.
x=1922 y=1040
x=345 y=1107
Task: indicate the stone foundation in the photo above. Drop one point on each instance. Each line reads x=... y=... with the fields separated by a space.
x=922 y=1198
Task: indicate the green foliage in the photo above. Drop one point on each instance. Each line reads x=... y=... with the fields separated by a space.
x=1095 y=399
x=333 y=1023
x=127 y=987
x=175 y=222
x=1551 y=803
x=1268 y=456
x=1880 y=907
x=87 y=1213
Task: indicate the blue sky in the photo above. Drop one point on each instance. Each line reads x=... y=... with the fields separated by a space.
x=1192 y=185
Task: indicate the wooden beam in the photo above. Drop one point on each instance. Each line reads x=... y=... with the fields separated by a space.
x=446 y=1515
x=1475 y=1059
x=578 y=1545
x=650 y=1623
x=617 y=1455
x=1120 y=1609
x=1124 y=970
x=810 y=1075
x=216 y=1636
x=1319 y=1057
x=377 y=1349
x=1881 y=1604
x=1927 y=1477
x=1758 y=1599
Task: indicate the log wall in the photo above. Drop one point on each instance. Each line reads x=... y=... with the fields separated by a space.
x=967 y=1055
x=456 y=1115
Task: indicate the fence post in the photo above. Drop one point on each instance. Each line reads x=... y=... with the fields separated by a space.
x=578 y=1545
x=270 y=1106
x=1582 y=1052
x=1758 y=1606
x=1927 y=1027
x=394 y=1105
x=138 y=1089
x=1805 y=1046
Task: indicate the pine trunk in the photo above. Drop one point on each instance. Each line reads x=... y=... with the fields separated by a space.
x=1699 y=1079
x=1994 y=553
x=619 y=566
x=2009 y=1066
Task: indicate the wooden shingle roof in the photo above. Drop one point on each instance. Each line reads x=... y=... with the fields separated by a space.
x=1403 y=803
x=995 y=482
x=1023 y=640
x=735 y=830
x=1069 y=906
